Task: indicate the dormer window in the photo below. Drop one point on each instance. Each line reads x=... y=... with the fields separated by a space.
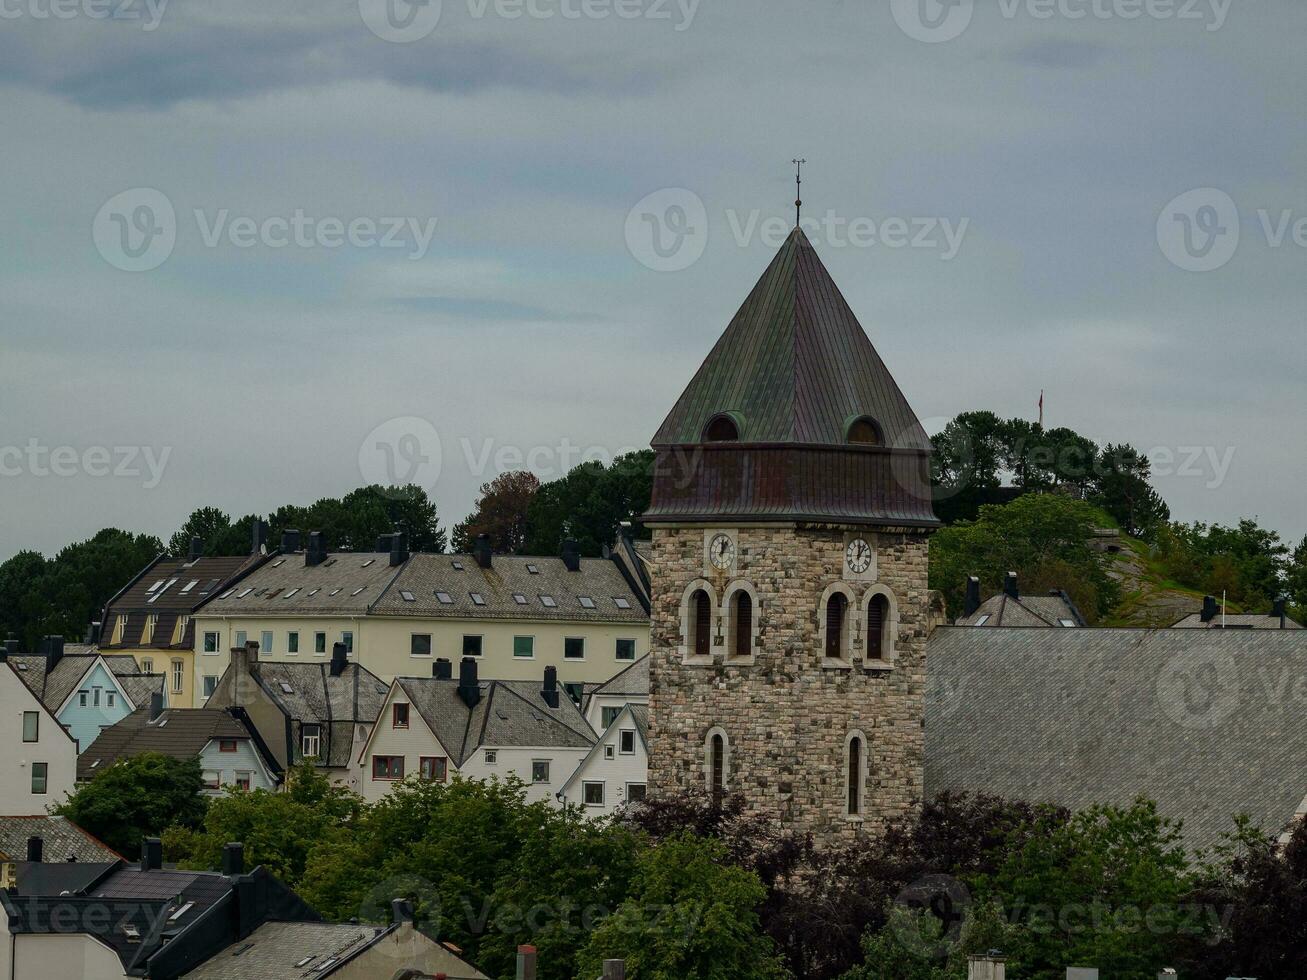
x=721 y=428
x=864 y=432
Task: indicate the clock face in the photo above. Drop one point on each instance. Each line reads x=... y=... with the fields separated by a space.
x=721 y=551
x=858 y=556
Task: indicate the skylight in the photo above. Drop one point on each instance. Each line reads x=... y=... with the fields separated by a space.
x=244 y=594
x=1067 y=622
x=279 y=562
x=357 y=591
x=548 y=600
x=983 y=620
x=445 y=598
x=307 y=959
x=519 y=598
x=456 y=565
x=286 y=688
x=478 y=598
x=227 y=594
x=533 y=569
x=313 y=593
x=155 y=586
x=621 y=602
x=368 y=562
x=181 y=911
x=333 y=592
x=586 y=602
x=190 y=585
x=290 y=593
x=408 y=596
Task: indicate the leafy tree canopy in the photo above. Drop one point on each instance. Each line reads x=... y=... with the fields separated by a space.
x=589 y=504
x=501 y=513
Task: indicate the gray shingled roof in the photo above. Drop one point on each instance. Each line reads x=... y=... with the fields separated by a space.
x=631 y=682
x=170 y=588
x=54 y=687
x=1236 y=621
x=1206 y=722
x=180 y=733
x=510 y=713
x=1029 y=610
x=336 y=703
x=287 y=586
x=61 y=838
x=598 y=580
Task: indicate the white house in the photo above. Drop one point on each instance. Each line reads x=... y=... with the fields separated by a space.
x=616 y=770
x=433 y=727
x=39 y=758
x=605 y=702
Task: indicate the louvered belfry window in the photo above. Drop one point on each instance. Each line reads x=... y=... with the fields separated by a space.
x=876 y=628
x=702 y=624
x=836 y=606
x=743 y=624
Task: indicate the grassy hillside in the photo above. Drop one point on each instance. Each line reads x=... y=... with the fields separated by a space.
x=1148 y=597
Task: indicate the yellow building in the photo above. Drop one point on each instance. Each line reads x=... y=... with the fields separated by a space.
x=398 y=614
x=153 y=617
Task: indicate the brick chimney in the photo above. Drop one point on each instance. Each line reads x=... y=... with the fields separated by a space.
x=972 y=602
x=468 y=688
x=571 y=555
x=481 y=551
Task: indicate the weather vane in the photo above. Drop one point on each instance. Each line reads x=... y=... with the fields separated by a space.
x=798 y=189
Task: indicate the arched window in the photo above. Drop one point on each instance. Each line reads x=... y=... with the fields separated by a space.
x=837 y=607
x=700 y=636
x=877 y=619
x=717 y=764
x=855 y=776
x=742 y=623
x=721 y=428
x=865 y=432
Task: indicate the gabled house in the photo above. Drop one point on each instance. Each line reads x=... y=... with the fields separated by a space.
x=86 y=690
x=605 y=702
x=138 y=920
x=1011 y=608
x=231 y=753
x=50 y=839
x=319 y=711
x=433 y=727
x=38 y=758
x=616 y=770
x=152 y=618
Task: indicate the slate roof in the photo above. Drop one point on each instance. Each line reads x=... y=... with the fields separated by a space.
x=181 y=733
x=1203 y=721
x=794 y=366
x=1029 y=610
x=169 y=588
x=347 y=582
x=53 y=688
x=61 y=838
x=1236 y=621
x=599 y=580
x=354 y=697
x=631 y=682
x=509 y=714
x=276 y=950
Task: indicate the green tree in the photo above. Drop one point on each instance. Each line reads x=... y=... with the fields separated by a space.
x=688 y=913
x=211 y=525
x=137 y=798
x=589 y=504
x=279 y=829
x=500 y=513
x=1122 y=489
x=966 y=465
x=1036 y=536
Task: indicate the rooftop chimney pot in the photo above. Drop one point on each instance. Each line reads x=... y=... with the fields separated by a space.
x=151 y=854
x=481 y=551
x=973 y=596
x=1210 y=609
x=339 y=658
x=233 y=859
x=258 y=537
x=197 y=547
x=1010 y=587
x=317 y=550
x=398 y=548
x=550 y=691
x=571 y=555
x=442 y=669
x=290 y=541
x=35 y=849
x=468 y=688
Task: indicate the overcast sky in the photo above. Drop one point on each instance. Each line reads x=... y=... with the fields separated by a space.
x=1003 y=181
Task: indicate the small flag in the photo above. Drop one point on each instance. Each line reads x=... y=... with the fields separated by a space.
x=1041 y=408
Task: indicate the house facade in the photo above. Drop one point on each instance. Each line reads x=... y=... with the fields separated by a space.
x=436 y=727
x=606 y=701
x=616 y=770
x=791 y=517
x=38 y=758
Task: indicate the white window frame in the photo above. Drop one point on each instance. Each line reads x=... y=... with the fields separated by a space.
x=603 y=792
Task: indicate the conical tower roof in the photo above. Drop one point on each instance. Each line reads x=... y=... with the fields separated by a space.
x=794 y=366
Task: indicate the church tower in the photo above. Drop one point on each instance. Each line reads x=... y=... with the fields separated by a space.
x=791 y=515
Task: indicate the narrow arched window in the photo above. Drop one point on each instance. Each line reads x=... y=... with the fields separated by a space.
x=864 y=432
x=717 y=767
x=701 y=625
x=836 y=614
x=877 y=614
x=722 y=428
x=743 y=618
x=855 y=776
